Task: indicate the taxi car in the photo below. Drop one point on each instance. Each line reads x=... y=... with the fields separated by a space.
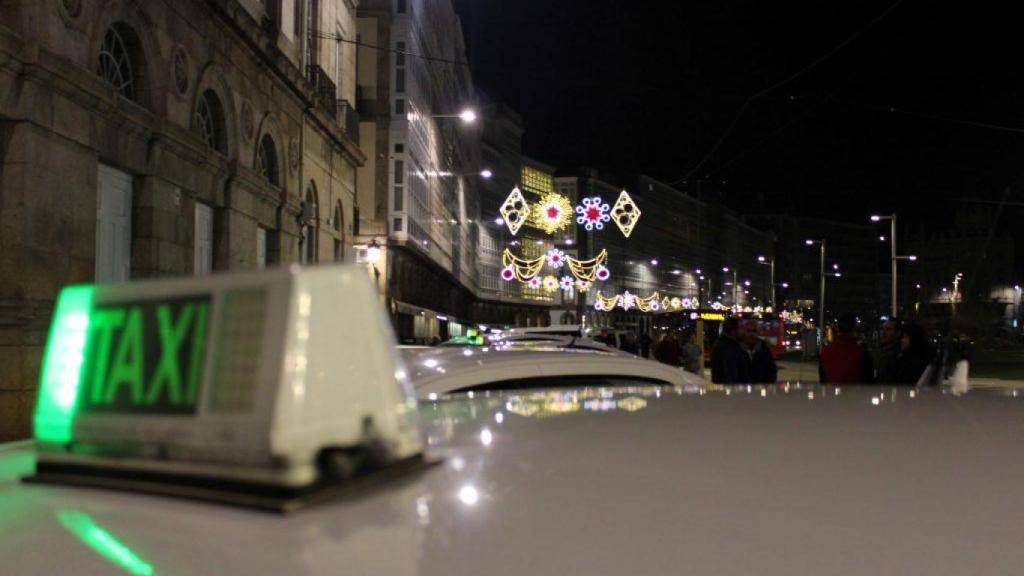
x=437 y=371
x=636 y=478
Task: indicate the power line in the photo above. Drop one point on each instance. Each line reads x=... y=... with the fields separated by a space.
x=340 y=38
x=750 y=99
x=965 y=122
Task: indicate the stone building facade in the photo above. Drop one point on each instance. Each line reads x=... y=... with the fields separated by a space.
x=166 y=137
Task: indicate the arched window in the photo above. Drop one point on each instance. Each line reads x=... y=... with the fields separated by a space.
x=312 y=225
x=336 y=222
x=120 y=61
x=266 y=159
x=209 y=121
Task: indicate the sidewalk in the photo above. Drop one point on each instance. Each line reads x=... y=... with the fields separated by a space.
x=790 y=371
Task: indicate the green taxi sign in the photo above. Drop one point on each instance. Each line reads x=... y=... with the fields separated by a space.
x=137 y=357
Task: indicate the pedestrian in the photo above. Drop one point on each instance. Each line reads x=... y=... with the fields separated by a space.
x=915 y=355
x=691 y=354
x=645 y=344
x=729 y=364
x=630 y=344
x=669 y=351
x=887 y=357
x=762 y=365
x=845 y=361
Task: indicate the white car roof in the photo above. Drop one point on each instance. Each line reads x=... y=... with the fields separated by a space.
x=798 y=480
x=448 y=369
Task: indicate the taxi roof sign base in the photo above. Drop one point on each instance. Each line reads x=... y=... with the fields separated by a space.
x=238 y=493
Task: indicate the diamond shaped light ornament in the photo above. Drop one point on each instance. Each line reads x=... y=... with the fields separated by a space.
x=625 y=213
x=515 y=210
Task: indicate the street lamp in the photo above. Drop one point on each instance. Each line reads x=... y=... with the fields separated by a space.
x=373 y=252
x=467 y=115
x=769 y=262
x=821 y=272
x=486 y=174
x=893 y=257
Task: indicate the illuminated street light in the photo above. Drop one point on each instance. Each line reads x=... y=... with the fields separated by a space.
x=499 y=221
x=486 y=174
x=875 y=218
x=374 y=252
x=654 y=261
x=468 y=116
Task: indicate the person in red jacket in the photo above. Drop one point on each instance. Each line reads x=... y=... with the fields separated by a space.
x=845 y=361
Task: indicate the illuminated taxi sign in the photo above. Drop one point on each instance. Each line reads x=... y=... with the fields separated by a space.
x=225 y=376
x=145 y=357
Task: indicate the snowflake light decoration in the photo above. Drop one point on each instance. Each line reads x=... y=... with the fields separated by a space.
x=626 y=300
x=687 y=303
x=567 y=283
x=552 y=214
x=556 y=258
x=593 y=213
x=550 y=283
x=534 y=283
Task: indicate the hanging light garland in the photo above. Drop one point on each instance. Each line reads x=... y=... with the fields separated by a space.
x=588 y=269
x=521 y=269
x=582 y=285
x=592 y=213
x=552 y=214
x=627 y=301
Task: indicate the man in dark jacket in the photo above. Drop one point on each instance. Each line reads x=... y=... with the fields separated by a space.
x=761 y=363
x=729 y=362
x=845 y=361
x=887 y=359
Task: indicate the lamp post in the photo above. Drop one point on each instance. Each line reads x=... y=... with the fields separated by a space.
x=734 y=282
x=893 y=258
x=821 y=272
x=769 y=262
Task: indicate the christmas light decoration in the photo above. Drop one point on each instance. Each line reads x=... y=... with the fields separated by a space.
x=515 y=210
x=533 y=283
x=627 y=301
x=686 y=303
x=550 y=283
x=567 y=283
x=602 y=273
x=556 y=258
x=552 y=214
x=587 y=269
x=592 y=213
x=508 y=273
x=625 y=213
x=582 y=285
x=522 y=269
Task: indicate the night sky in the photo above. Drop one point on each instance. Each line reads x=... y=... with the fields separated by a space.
x=644 y=87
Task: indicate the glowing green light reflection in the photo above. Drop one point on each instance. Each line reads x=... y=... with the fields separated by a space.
x=103 y=543
x=62 y=365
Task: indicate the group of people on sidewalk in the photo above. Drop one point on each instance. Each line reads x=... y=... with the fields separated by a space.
x=902 y=357
x=740 y=356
